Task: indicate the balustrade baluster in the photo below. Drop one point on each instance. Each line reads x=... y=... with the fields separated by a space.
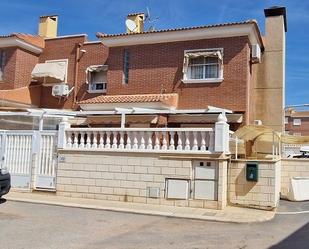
x=135 y=140
x=114 y=146
x=164 y=141
x=195 y=145
x=121 y=140
x=142 y=146
x=69 y=139
x=149 y=143
x=128 y=145
x=179 y=142
x=101 y=140
x=203 y=141
x=82 y=140
x=108 y=140
x=187 y=141
x=88 y=140
x=157 y=141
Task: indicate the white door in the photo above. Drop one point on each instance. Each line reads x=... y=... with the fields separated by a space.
x=18 y=157
x=46 y=165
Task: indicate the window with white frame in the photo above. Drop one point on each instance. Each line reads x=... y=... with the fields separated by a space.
x=296 y=121
x=286 y=120
x=2 y=63
x=97 y=78
x=203 y=66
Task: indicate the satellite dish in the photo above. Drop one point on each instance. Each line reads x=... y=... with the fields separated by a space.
x=131 y=25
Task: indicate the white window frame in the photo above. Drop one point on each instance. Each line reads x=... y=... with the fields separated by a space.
x=286 y=120
x=66 y=68
x=96 y=83
x=207 y=80
x=296 y=121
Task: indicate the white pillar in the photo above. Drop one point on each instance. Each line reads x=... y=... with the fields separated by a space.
x=64 y=124
x=222 y=134
x=123 y=120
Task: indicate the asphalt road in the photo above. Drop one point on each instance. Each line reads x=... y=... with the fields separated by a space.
x=25 y=225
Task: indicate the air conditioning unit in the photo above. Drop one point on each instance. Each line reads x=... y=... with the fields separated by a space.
x=60 y=90
x=258 y=122
x=256 y=53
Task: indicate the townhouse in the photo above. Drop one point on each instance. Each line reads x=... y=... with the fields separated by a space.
x=149 y=112
x=177 y=76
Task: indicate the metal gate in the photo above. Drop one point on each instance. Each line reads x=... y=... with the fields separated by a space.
x=45 y=176
x=30 y=157
x=17 y=157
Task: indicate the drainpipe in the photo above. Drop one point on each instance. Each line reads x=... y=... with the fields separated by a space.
x=77 y=59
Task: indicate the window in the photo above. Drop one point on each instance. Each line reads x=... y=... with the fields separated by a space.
x=97 y=79
x=286 y=120
x=2 y=63
x=296 y=121
x=203 y=66
x=126 y=66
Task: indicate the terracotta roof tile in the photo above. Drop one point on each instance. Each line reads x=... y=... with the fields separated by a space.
x=102 y=35
x=130 y=98
x=35 y=40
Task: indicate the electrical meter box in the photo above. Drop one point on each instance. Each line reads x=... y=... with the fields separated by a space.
x=252 y=171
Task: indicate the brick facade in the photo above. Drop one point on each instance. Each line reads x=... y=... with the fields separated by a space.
x=154 y=68
x=158 y=67
x=18 y=67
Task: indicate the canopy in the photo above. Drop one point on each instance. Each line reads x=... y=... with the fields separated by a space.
x=55 y=71
x=96 y=69
x=192 y=55
x=263 y=133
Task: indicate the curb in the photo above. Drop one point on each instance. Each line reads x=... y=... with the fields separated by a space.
x=137 y=211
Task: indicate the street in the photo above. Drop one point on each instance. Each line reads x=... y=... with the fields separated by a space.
x=25 y=225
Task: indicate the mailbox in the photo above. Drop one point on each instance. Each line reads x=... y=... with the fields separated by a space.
x=252 y=171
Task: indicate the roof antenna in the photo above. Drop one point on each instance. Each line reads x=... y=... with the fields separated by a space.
x=150 y=20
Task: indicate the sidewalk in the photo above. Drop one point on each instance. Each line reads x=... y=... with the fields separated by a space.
x=229 y=214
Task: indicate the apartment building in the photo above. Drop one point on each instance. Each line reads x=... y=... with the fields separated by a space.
x=296 y=122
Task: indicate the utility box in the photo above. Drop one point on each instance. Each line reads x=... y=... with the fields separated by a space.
x=252 y=171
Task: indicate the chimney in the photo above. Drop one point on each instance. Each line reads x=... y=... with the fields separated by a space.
x=48 y=26
x=138 y=19
x=269 y=97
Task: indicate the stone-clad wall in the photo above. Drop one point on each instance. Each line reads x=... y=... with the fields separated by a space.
x=262 y=194
x=292 y=168
x=126 y=176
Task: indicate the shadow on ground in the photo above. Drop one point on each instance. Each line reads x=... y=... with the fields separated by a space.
x=2 y=200
x=298 y=239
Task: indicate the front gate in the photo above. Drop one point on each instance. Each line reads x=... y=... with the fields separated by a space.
x=45 y=175
x=30 y=157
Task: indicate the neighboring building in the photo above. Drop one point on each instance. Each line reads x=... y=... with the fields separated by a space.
x=182 y=72
x=297 y=122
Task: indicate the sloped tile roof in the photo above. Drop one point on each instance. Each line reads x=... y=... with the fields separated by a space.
x=35 y=40
x=138 y=98
x=102 y=35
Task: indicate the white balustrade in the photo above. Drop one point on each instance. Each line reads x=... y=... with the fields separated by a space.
x=141 y=139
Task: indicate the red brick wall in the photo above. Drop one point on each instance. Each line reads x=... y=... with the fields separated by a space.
x=65 y=48
x=9 y=69
x=303 y=129
x=18 y=67
x=159 y=66
x=25 y=62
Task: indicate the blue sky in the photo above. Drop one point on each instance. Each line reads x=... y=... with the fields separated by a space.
x=108 y=16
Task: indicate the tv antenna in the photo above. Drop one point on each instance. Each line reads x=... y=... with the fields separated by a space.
x=131 y=25
x=150 y=20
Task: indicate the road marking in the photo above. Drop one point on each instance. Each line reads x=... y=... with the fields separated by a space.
x=298 y=212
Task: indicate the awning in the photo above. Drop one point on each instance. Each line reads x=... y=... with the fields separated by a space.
x=52 y=72
x=94 y=68
x=130 y=119
x=203 y=118
x=193 y=55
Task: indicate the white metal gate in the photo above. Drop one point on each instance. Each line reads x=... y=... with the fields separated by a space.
x=45 y=176
x=18 y=157
x=30 y=156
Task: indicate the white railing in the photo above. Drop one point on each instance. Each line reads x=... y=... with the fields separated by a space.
x=292 y=149
x=182 y=140
x=145 y=139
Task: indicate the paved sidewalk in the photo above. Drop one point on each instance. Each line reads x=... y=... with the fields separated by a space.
x=229 y=214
